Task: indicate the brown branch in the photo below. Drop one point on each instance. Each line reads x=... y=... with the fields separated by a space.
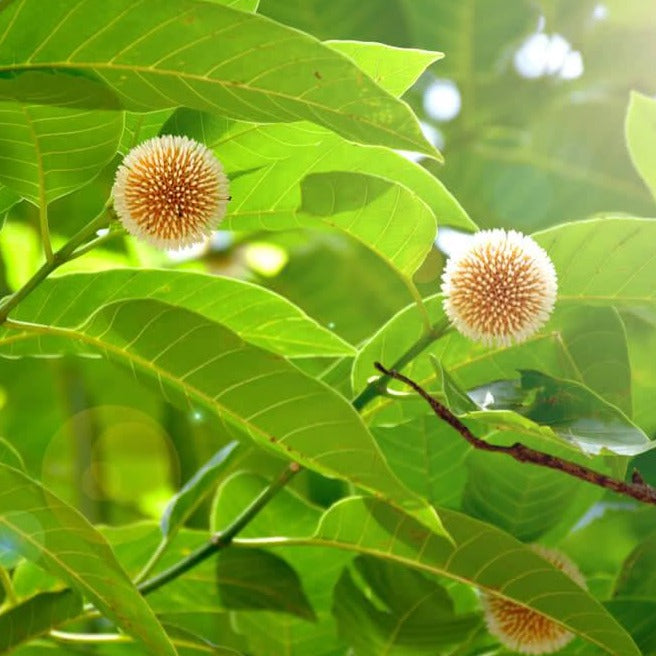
x=637 y=489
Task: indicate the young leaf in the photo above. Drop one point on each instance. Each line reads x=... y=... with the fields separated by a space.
x=44 y=529
x=640 y=131
x=69 y=300
x=483 y=556
x=157 y=54
x=194 y=360
x=195 y=490
x=36 y=616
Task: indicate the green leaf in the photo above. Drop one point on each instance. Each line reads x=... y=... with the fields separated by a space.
x=638 y=576
x=42 y=528
x=394 y=69
x=196 y=361
x=569 y=348
x=164 y=53
x=523 y=500
x=428 y=456
x=638 y=616
x=36 y=616
x=483 y=556
x=10 y=456
x=271 y=634
x=47 y=152
x=7 y=200
x=417 y=614
x=69 y=300
x=640 y=131
x=266 y=164
x=574 y=413
x=142 y=126
x=259 y=580
x=386 y=217
x=604 y=261
x=195 y=490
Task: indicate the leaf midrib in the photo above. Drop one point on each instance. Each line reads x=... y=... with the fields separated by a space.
x=93 y=66
x=190 y=392
x=255 y=543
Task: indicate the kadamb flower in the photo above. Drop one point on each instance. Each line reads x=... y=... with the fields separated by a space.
x=171 y=192
x=500 y=288
x=524 y=630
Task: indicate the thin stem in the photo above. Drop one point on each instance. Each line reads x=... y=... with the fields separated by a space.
x=152 y=561
x=95 y=243
x=224 y=538
x=7 y=586
x=58 y=258
x=377 y=387
x=421 y=306
x=638 y=489
x=45 y=232
x=94 y=638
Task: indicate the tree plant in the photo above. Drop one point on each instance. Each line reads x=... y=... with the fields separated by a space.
x=249 y=404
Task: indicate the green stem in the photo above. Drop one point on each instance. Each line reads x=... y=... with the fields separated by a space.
x=224 y=538
x=45 y=231
x=94 y=638
x=7 y=586
x=421 y=306
x=377 y=386
x=99 y=241
x=58 y=258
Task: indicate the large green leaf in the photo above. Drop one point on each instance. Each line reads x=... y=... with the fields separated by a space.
x=604 y=261
x=36 y=616
x=483 y=556
x=386 y=217
x=42 y=528
x=195 y=361
x=47 y=152
x=71 y=299
x=641 y=137
x=156 y=54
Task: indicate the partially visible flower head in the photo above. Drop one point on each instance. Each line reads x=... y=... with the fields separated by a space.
x=500 y=288
x=171 y=192
x=524 y=630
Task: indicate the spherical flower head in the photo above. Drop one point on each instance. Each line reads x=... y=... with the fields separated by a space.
x=499 y=288
x=171 y=192
x=524 y=630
